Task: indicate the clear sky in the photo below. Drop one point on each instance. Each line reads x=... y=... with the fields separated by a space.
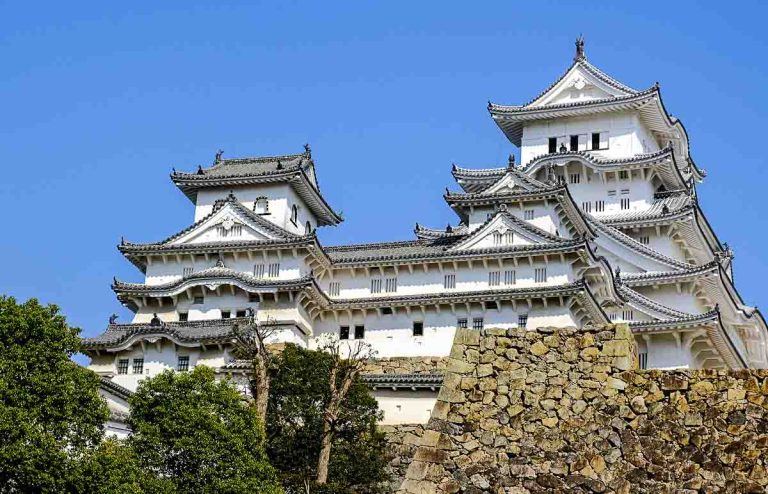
x=100 y=100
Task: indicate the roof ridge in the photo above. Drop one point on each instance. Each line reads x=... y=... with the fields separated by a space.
x=493 y=107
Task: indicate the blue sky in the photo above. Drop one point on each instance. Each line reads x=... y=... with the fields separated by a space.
x=101 y=99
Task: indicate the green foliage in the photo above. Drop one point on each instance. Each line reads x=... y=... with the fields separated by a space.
x=51 y=412
x=199 y=434
x=299 y=392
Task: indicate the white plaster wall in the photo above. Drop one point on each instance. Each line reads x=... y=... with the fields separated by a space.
x=664 y=353
x=405 y=407
x=281 y=197
x=627 y=135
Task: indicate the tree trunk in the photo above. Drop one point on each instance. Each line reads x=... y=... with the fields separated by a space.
x=325 y=453
x=260 y=389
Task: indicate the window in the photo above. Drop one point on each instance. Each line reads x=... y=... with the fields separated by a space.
x=376 y=285
x=625 y=192
x=599 y=206
x=258 y=270
x=510 y=277
x=509 y=238
x=418 y=328
x=274 y=270
x=334 y=288
x=187 y=271
x=528 y=214
x=294 y=214
x=253 y=297
x=359 y=332
x=490 y=304
x=307 y=228
x=623 y=175
x=233 y=231
x=138 y=366
x=600 y=140
x=461 y=323
x=574 y=178
x=644 y=239
x=574 y=143
x=493 y=278
x=477 y=323
x=624 y=203
x=199 y=300
x=627 y=315
x=183 y=316
x=390 y=285
x=612 y=193
x=497 y=238
x=240 y=313
x=449 y=281
x=587 y=207
x=261 y=205
x=642 y=360
x=386 y=311
x=225 y=314
x=540 y=275
x=183 y=363
x=122 y=366
x=522 y=321
x=553 y=144
x=344 y=332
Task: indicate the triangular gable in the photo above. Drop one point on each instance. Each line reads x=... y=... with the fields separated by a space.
x=581 y=82
x=231 y=222
x=512 y=181
x=505 y=230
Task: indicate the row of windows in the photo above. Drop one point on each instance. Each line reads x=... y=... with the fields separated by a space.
x=225 y=314
x=478 y=323
x=506 y=238
x=578 y=142
x=599 y=206
x=182 y=365
x=626 y=315
x=272 y=270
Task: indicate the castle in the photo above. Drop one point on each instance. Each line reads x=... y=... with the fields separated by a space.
x=598 y=223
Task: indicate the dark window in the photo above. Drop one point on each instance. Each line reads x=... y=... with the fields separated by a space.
x=491 y=305
x=344 y=332
x=199 y=300
x=183 y=316
x=418 y=328
x=359 y=332
x=138 y=366
x=294 y=214
x=461 y=323
x=386 y=310
x=522 y=321
x=225 y=314
x=253 y=297
x=183 y=364
x=596 y=140
x=477 y=323
x=240 y=313
x=122 y=366
x=307 y=228
x=553 y=144
x=574 y=143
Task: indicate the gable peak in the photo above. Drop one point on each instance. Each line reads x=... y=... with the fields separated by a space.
x=579 y=49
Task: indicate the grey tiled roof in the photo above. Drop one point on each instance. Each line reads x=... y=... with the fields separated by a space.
x=251 y=167
x=215 y=330
x=654 y=277
x=114 y=388
x=676 y=322
x=669 y=207
x=495 y=109
x=403 y=381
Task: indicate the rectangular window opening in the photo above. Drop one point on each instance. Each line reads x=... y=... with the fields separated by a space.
x=183 y=364
x=494 y=278
x=522 y=321
x=553 y=145
x=575 y=143
x=418 y=328
x=359 y=332
x=344 y=332
x=449 y=281
x=138 y=366
x=477 y=323
x=461 y=323
x=122 y=366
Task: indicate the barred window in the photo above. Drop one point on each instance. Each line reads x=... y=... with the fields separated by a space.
x=540 y=275
x=599 y=206
x=343 y=332
x=493 y=278
x=643 y=360
x=586 y=206
x=522 y=320
x=627 y=315
x=225 y=314
x=509 y=238
x=376 y=285
x=274 y=270
x=625 y=192
x=258 y=270
x=510 y=277
x=334 y=288
x=418 y=328
x=461 y=323
x=477 y=323
x=183 y=363
x=138 y=366
x=122 y=366
x=574 y=178
x=234 y=231
x=187 y=271
x=625 y=203
x=261 y=205
x=359 y=332
x=644 y=239
x=390 y=285
x=497 y=238
x=612 y=193
x=183 y=316
x=528 y=214
x=623 y=175
x=449 y=281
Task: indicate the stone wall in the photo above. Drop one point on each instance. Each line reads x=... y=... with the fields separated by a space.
x=566 y=411
x=402 y=441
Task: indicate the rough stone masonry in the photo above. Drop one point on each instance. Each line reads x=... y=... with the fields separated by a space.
x=566 y=410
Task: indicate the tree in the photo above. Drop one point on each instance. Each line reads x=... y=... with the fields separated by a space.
x=298 y=400
x=199 y=434
x=250 y=345
x=51 y=413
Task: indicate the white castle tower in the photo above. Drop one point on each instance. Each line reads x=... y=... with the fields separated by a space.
x=599 y=223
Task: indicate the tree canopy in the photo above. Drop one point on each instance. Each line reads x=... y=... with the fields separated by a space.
x=51 y=412
x=298 y=397
x=198 y=433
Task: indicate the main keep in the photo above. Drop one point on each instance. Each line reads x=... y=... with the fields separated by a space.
x=599 y=222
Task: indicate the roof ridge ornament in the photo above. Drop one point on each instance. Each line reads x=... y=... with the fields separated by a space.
x=307 y=151
x=218 y=159
x=511 y=161
x=580 y=56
